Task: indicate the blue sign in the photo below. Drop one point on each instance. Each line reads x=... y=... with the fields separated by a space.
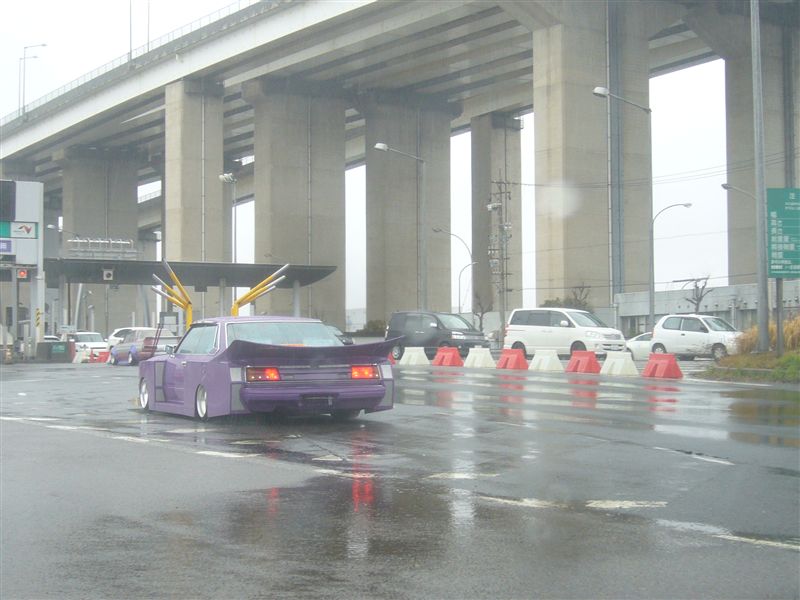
x=6 y=247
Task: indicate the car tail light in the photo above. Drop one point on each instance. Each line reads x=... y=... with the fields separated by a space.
x=262 y=374
x=364 y=372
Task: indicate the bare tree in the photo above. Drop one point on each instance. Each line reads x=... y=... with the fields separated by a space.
x=699 y=291
x=483 y=308
x=578 y=298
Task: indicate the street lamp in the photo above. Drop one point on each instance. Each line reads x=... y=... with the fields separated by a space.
x=460 y=273
x=762 y=309
x=651 y=319
x=230 y=179
x=616 y=248
x=22 y=60
x=469 y=252
x=422 y=229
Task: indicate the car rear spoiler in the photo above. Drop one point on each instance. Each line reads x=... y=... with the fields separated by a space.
x=241 y=352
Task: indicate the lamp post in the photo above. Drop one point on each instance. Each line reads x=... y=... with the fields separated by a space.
x=460 y=273
x=469 y=253
x=22 y=61
x=616 y=244
x=422 y=229
x=651 y=318
x=230 y=179
x=762 y=309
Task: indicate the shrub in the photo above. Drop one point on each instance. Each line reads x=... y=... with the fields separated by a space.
x=788 y=368
x=375 y=328
x=748 y=341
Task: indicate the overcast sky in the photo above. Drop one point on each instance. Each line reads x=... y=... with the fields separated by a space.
x=688 y=131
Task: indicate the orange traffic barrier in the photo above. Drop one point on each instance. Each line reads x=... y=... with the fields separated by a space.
x=663 y=366
x=447 y=357
x=98 y=357
x=513 y=358
x=583 y=361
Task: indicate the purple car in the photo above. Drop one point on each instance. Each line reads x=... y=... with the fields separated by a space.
x=242 y=365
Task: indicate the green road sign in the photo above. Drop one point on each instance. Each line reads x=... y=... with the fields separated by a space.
x=783 y=232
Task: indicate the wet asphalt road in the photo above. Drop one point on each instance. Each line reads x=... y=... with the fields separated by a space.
x=478 y=484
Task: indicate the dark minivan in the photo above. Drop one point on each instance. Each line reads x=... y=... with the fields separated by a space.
x=432 y=330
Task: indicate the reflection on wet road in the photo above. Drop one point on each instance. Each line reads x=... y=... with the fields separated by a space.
x=478 y=484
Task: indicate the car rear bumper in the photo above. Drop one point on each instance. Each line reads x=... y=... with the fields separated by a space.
x=268 y=397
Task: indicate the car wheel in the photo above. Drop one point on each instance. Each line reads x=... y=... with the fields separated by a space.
x=397 y=352
x=201 y=403
x=131 y=360
x=577 y=347
x=345 y=415
x=144 y=394
x=659 y=349
x=114 y=360
x=719 y=352
x=520 y=346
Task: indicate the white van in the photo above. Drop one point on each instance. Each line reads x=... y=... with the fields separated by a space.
x=695 y=335
x=564 y=330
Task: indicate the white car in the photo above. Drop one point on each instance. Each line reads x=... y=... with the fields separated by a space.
x=640 y=346
x=87 y=340
x=119 y=334
x=695 y=335
x=564 y=330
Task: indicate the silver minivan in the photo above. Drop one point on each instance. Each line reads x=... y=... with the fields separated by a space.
x=564 y=330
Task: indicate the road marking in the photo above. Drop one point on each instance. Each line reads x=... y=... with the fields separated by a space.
x=596 y=504
x=623 y=504
x=190 y=430
x=343 y=474
x=462 y=476
x=64 y=427
x=711 y=459
x=759 y=542
x=130 y=438
x=329 y=458
x=12 y=418
x=222 y=454
x=526 y=502
x=42 y=419
x=718 y=461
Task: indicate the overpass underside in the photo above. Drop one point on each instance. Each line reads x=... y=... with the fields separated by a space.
x=286 y=102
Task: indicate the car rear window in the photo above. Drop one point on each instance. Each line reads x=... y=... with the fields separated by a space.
x=283 y=333
x=88 y=337
x=520 y=317
x=672 y=323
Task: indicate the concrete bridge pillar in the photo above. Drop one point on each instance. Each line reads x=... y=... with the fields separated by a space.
x=99 y=201
x=496 y=158
x=299 y=186
x=575 y=207
x=729 y=35
x=194 y=211
x=395 y=186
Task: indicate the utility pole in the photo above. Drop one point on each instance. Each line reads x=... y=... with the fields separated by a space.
x=498 y=247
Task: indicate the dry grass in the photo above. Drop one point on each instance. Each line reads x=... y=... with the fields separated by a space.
x=748 y=341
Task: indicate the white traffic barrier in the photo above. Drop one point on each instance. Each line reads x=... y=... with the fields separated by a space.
x=480 y=357
x=546 y=360
x=619 y=363
x=413 y=356
x=81 y=356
